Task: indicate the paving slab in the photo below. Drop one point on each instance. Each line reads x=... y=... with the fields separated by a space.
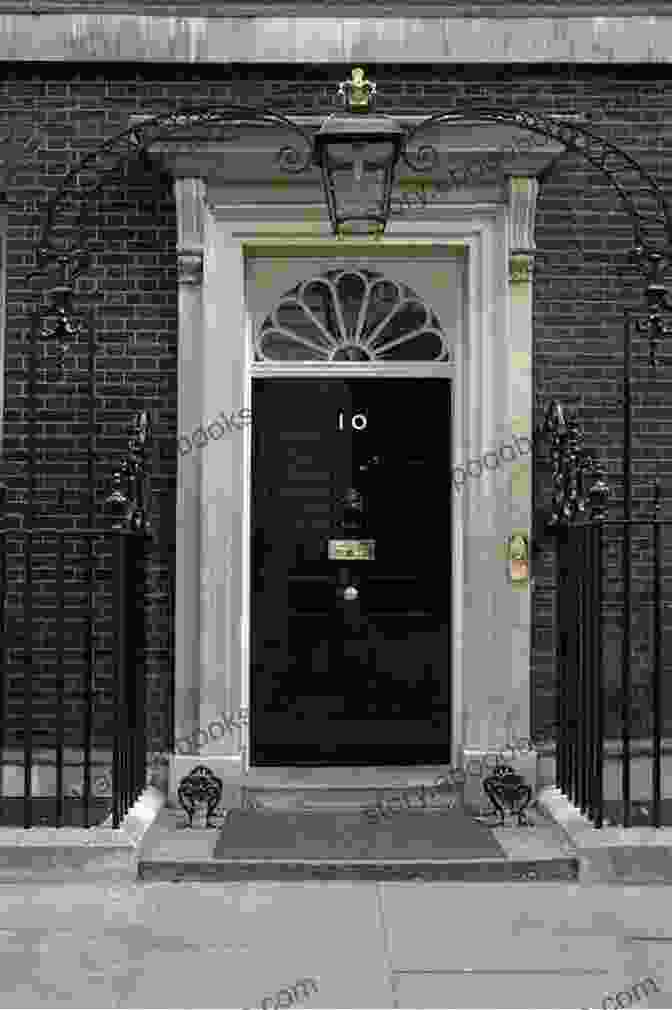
x=197 y=945
x=145 y=945
x=558 y=945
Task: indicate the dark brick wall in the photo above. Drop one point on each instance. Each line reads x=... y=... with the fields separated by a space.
x=128 y=299
x=129 y=295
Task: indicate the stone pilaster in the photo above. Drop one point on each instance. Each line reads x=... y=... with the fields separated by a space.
x=3 y=311
x=523 y=192
x=189 y=198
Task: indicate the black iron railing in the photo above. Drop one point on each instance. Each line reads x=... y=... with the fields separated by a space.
x=612 y=704
x=130 y=667
x=74 y=658
x=580 y=739
x=614 y=714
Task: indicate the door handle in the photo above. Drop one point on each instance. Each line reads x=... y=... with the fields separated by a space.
x=350 y=593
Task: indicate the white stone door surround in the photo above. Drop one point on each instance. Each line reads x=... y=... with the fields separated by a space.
x=222 y=225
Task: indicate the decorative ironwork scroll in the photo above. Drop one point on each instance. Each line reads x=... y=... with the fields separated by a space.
x=13 y=155
x=130 y=498
x=91 y=172
x=618 y=167
x=66 y=329
x=613 y=162
x=658 y=301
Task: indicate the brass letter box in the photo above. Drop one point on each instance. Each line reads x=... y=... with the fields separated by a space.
x=351 y=550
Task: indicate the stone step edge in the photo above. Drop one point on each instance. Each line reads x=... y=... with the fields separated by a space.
x=49 y=852
x=529 y=871
x=348 y=795
x=612 y=854
x=348 y=790
x=266 y=802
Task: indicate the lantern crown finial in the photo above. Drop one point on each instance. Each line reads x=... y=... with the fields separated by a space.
x=358 y=93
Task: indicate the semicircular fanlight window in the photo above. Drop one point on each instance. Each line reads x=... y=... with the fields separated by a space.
x=351 y=315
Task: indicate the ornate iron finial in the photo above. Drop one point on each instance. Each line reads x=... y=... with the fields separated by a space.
x=657 y=498
x=571 y=465
x=117 y=502
x=130 y=496
x=361 y=93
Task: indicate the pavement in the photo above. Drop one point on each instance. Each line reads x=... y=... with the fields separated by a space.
x=79 y=928
x=196 y=944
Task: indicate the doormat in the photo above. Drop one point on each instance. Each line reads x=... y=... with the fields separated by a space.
x=349 y=836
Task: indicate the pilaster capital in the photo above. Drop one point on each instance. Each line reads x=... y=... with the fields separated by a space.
x=189 y=202
x=189 y=266
x=523 y=191
x=520 y=268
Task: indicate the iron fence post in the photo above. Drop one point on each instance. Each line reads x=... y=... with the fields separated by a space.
x=599 y=494
x=626 y=674
x=657 y=663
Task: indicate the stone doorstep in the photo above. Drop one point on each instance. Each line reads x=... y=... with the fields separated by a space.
x=169 y=853
x=611 y=855
x=58 y=853
x=637 y=855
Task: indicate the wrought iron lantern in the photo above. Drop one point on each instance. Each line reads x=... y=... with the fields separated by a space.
x=357 y=154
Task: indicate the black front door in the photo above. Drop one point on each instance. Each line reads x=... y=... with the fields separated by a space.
x=350 y=653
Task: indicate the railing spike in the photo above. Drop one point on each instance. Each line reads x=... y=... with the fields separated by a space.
x=657 y=497
x=599 y=495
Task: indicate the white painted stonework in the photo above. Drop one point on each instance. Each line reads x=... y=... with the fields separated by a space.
x=241 y=245
x=224 y=33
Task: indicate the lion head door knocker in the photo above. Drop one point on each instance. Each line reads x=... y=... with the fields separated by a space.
x=505 y=788
x=201 y=785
